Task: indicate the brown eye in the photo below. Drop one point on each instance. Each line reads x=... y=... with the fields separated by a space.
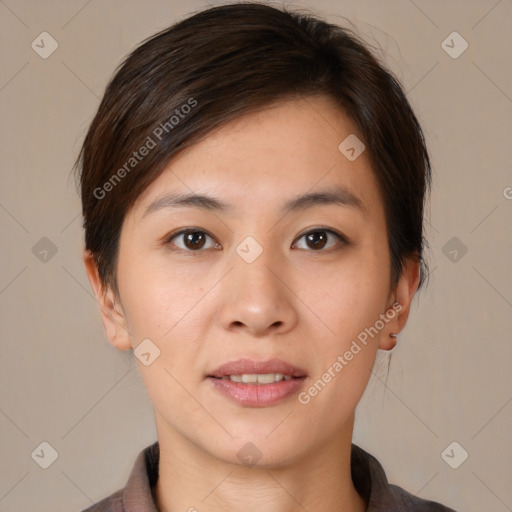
x=193 y=240
x=318 y=239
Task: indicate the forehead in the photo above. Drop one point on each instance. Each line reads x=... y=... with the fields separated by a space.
x=266 y=157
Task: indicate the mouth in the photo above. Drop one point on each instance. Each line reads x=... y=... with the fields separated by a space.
x=255 y=378
x=250 y=371
x=257 y=383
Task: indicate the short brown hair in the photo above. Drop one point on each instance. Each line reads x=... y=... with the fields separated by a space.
x=222 y=63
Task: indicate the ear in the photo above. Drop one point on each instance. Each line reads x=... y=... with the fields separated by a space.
x=112 y=315
x=400 y=303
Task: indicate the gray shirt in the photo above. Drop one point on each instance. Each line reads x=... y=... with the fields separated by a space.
x=367 y=473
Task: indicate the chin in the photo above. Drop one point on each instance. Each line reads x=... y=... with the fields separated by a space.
x=265 y=447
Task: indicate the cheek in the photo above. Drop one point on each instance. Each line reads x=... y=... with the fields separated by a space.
x=350 y=304
x=158 y=297
x=351 y=298
x=345 y=359
x=166 y=310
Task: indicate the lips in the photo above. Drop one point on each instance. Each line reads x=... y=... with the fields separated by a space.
x=251 y=383
x=246 y=366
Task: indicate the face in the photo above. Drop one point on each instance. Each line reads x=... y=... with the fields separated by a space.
x=256 y=280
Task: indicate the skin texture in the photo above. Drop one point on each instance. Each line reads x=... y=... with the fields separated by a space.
x=295 y=302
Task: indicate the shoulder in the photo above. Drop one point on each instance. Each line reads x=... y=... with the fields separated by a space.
x=371 y=482
x=407 y=501
x=112 y=503
x=137 y=495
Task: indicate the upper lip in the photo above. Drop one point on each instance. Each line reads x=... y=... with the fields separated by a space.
x=251 y=367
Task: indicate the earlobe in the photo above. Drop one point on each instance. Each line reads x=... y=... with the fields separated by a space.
x=389 y=335
x=112 y=315
x=388 y=343
x=401 y=304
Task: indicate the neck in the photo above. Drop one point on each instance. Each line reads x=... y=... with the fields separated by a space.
x=191 y=479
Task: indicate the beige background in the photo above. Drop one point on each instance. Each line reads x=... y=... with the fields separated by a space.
x=450 y=377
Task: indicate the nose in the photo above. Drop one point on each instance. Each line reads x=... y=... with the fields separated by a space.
x=256 y=297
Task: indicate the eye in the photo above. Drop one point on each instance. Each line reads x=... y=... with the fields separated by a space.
x=193 y=239
x=316 y=239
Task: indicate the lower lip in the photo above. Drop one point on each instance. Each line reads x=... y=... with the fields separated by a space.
x=257 y=395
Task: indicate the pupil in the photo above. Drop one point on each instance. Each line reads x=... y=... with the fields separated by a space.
x=316 y=237
x=191 y=240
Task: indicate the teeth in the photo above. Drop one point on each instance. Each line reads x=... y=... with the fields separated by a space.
x=266 y=378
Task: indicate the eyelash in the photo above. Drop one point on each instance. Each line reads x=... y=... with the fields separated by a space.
x=343 y=239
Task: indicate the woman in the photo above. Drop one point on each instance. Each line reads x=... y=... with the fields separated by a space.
x=253 y=188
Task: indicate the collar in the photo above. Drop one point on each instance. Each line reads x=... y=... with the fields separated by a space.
x=368 y=475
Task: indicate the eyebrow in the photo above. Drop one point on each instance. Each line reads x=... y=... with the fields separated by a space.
x=333 y=196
